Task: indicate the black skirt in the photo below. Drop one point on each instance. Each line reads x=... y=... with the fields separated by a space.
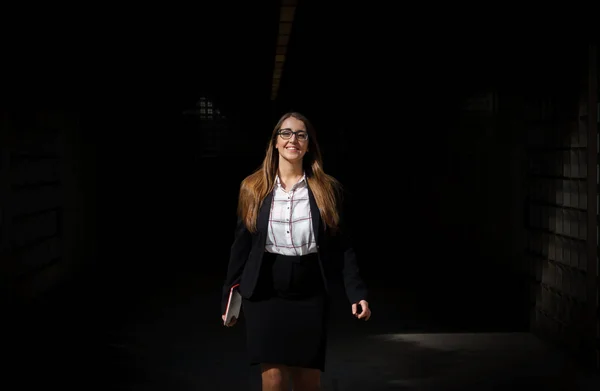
x=286 y=318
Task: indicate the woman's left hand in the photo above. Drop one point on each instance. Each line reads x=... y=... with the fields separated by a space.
x=365 y=313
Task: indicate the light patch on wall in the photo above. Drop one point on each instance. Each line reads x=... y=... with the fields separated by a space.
x=482 y=103
x=206 y=110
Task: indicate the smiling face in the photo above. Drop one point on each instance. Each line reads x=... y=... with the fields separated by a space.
x=294 y=148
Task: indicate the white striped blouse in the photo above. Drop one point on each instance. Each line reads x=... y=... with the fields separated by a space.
x=290 y=224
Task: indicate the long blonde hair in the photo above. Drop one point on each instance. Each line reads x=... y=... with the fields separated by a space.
x=255 y=187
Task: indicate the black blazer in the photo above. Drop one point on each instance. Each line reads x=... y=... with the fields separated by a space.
x=336 y=255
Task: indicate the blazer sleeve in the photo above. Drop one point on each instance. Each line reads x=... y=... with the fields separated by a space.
x=356 y=289
x=238 y=255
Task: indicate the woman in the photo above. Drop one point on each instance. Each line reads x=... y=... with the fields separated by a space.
x=289 y=228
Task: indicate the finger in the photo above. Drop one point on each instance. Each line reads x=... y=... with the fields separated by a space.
x=366 y=310
x=366 y=314
x=353 y=309
x=231 y=322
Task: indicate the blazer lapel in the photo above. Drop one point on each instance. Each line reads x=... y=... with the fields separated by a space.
x=315 y=214
x=263 y=214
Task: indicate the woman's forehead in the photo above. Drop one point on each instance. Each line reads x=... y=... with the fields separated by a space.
x=293 y=123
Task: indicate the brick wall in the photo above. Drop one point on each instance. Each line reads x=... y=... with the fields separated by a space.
x=561 y=206
x=40 y=210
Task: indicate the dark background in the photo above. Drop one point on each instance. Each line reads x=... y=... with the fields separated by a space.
x=437 y=191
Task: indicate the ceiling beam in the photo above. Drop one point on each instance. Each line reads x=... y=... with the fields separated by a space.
x=286 y=19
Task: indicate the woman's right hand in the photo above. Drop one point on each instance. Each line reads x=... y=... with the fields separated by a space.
x=232 y=323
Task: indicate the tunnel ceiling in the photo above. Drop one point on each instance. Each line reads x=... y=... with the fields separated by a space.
x=213 y=48
x=242 y=54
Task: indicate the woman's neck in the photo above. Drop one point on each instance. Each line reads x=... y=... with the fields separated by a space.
x=289 y=172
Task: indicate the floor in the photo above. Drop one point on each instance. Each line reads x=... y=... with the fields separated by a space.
x=172 y=339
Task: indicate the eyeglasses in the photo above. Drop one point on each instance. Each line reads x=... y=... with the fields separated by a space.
x=286 y=134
